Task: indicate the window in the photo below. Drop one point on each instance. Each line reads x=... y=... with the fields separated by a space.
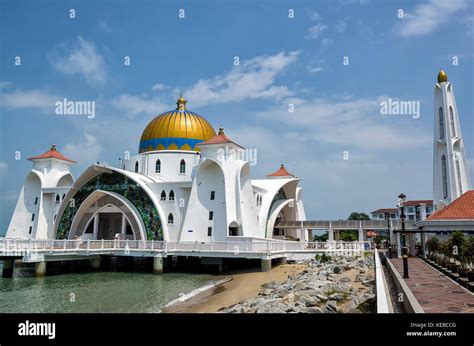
x=36 y=200
x=170 y=219
x=441 y=123
x=64 y=196
x=163 y=195
x=31 y=229
x=458 y=173
x=209 y=231
x=57 y=199
x=136 y=167
x=32 y=217
x=182 y=166
x=171 y=195
x=445 y=176
x=451 y=119
x=158 y=166
x=213 y=195
x=411 y=217
x=211 y=215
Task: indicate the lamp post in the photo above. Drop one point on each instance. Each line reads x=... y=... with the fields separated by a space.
x=401 y=201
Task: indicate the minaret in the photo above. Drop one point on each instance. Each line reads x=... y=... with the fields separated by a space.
x=450 y=171
x=40 y=198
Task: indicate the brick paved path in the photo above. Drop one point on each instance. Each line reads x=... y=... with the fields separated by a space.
x=435 y=292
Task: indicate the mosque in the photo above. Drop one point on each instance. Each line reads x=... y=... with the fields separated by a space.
x=187 y=183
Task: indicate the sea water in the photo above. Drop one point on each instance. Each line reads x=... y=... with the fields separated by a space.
x=119 y=292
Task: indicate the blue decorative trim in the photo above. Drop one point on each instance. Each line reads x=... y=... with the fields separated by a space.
x=166 y=142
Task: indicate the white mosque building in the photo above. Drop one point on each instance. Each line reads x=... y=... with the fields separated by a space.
x=187 y=183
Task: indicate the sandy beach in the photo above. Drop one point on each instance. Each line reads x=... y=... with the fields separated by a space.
x=245 y=284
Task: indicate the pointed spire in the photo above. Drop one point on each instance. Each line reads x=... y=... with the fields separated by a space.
x=442 y=76
x=181 y=102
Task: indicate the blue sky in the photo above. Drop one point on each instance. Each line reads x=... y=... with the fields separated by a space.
x=283 y=61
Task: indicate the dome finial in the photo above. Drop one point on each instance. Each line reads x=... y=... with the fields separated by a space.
x=221 y=130
x=181 y=103
x=53 y=147
x=442 y=76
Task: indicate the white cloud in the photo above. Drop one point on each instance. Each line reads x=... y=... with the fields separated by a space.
x=39 y=99
x=341 y=26
x=315 y=69
x=82 y=59
x=315 y=31
x=159 y=87
x=3 y=167
x=428 y=17
x=138 y=104
x=253 y=79
x=351 y=123
x=86 y=150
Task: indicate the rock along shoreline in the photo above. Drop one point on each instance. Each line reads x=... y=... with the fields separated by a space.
x=327 y=285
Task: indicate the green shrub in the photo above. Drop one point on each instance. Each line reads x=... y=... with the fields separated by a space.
x=455 y=243
x=467 y=250
x=433 y=244
x=322 y=258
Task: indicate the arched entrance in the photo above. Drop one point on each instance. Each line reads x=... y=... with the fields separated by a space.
x=107 y=215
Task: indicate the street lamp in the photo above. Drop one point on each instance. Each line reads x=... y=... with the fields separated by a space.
x=401 y=201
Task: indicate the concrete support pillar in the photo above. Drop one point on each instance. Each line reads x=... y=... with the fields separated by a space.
x=124 y=225
x=8 y=267
x=361 y=232
x=266 y=265
x=95 y=263
x=157 y=265
x=96 y=225
x=399 y=245
x=40 y=268
x=423 y=243
x=330 y=232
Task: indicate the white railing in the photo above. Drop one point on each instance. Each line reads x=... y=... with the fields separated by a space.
x=248 y=245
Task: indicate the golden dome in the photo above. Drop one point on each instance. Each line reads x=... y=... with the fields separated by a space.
x=178 y=129
x=442 y=76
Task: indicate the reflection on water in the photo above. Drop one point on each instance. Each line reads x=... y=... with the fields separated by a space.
x=94 y=291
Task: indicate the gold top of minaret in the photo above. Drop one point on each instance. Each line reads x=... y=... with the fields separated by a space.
x=181 y=103
x=442 y=76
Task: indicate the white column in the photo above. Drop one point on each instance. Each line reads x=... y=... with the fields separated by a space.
x=361 y=232
x=96 y=225
x=399 y=245
x=330 y=232
x=124 y=222
x=158 y=265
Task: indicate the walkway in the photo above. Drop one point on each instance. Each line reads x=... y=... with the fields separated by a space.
x=434 y=291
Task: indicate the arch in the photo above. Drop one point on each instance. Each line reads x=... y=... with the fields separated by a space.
x=163 y=195
x=64 y=196
x=451 y=119
x=441 y=123
x=158 y=166
x=182 y=166
x=172 y=146
x=170 y=219
x=445 y=176
x=171 y=195
x=186 y=147
x=112 y=180
x=65 y=180
x=277 y=211
x=57 y=199
x=136 y=167
x=99 y=200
